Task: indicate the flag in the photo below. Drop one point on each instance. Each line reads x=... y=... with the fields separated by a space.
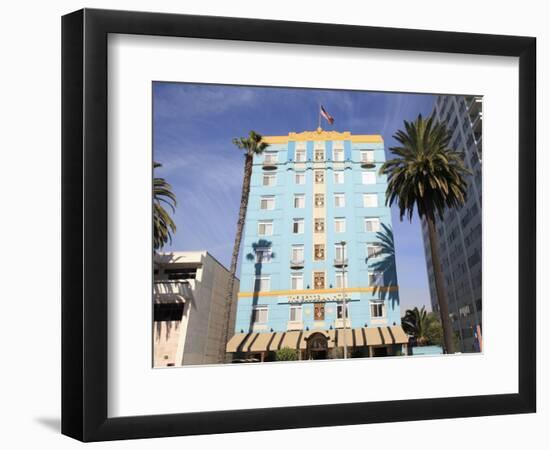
x=326 y=115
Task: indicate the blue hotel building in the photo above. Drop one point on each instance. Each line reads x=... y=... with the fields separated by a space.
x=318 y=267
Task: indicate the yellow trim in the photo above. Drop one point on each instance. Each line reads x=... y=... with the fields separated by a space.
x=316 y=291
x=321 y=135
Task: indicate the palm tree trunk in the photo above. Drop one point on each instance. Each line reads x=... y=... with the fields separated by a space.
x=235 y=256
x=440 y=288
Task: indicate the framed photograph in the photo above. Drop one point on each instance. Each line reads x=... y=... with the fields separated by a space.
x=273 y=225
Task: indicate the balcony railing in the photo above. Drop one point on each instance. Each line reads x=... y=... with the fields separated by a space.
x=368 y=163
x=340 y=262
x=294 y=325
x=269 y=163
x=339 y=323
x=474 y=104
x=476 y=122
x=171 y=291
x=296 y=263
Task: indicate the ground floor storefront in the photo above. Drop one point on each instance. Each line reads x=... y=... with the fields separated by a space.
x=319 y=344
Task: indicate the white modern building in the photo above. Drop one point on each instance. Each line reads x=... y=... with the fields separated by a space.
x=189 y=309
x=459 y=232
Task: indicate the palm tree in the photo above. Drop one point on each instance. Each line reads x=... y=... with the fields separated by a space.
x=430 y=176
x=417 y=322
x=251 y=145
x=163 y=225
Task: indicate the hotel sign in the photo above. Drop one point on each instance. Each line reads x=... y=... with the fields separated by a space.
x=316 y=298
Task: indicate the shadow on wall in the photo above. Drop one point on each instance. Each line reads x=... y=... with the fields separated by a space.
x=168 y=313
x=258 y=254
x=384 y=261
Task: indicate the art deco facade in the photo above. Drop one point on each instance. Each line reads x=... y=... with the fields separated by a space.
x=459 y=233
x=309 y=192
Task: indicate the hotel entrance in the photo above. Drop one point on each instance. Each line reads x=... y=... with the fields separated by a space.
x=317 y=346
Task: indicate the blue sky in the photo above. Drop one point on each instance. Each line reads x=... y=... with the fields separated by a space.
x=193 y=128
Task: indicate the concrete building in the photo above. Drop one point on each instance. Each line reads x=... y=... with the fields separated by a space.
x=459 y=232
x=189 y=309
x=309 y=192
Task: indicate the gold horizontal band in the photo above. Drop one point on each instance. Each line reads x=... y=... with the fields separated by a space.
x=324 y=136
x=317 y=291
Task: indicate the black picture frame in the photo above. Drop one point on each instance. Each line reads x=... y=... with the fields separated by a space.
x=84 y=224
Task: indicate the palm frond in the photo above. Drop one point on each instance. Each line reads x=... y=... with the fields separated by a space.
x=426 y=175
x=163 y=225
x=253 y=144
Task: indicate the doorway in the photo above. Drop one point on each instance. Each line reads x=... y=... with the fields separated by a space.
x=317 y=346
x=380 y=351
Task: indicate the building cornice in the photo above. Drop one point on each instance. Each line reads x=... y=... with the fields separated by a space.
x=323 y=135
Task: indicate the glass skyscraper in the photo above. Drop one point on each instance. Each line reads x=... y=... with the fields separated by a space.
x=459 y=233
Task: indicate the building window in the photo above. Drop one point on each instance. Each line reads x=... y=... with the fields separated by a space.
x=339 y=283
x=319 y=252
x=339 y=200
x=189 y=273
x=319 y=200
x=340 y=252
x=340 y=225
x=319 y=154
x=297 y=281
x=298 y=226
x=376 y=278
x=319 y=311
x=299 y=201
x=297 y=253
x=319 y=225
x=300 y=178
x=340 y=310
x=374 y=250
x=453 y=127
x=267 y=202
x=168 y=312
x=263 y=255
x=319 y=176
x=377 y=310
x=318 y=280
x=338 y=177
x=265 y=228
x=269 y=179
x=300 y=155
x=367 y=156
x=370 y=200
x=368 y=177
x=372 y=224
x=263 y=284
x=338 y=154
x=270 y=158
x=295 y=313
x=259 y=314
x=464 y=311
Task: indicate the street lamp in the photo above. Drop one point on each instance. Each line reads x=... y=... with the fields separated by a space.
x=344 y=304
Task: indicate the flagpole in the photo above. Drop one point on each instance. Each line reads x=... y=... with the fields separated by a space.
x=319 y=116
